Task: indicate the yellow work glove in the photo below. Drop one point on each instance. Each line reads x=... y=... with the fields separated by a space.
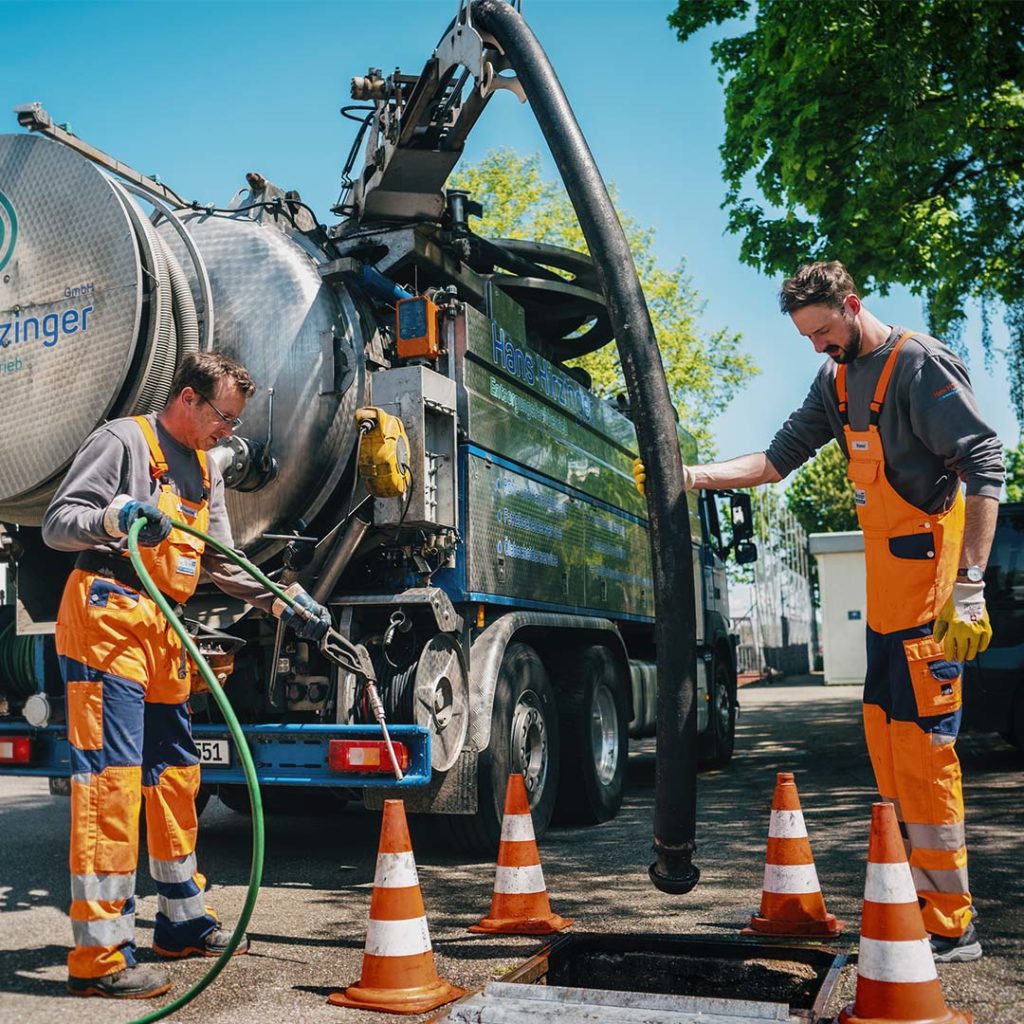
x=962 y=626
x=640 y=476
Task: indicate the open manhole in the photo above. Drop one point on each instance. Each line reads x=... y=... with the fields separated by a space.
x=669 y=978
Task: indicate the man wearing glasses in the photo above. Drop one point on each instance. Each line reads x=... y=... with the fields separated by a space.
x=127 y=678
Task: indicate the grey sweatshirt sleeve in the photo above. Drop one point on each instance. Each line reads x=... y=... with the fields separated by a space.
x=806 y=430
x=224 y=573
x=74 y=519
x=944 y=415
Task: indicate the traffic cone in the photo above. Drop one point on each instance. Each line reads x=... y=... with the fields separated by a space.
x=520 y=904
x=791 y=900
x=896 y=977
x=399 y=975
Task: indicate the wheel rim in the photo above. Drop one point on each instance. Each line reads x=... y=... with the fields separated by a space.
x=604 y=735
x=530 y=743
x=723 y=712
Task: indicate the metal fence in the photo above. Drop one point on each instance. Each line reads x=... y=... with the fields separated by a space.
x=775 y=629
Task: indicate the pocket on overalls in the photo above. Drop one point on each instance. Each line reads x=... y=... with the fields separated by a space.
x=916 y=546
x=172 y=679
x=861 y=474
x=104 y=593
x=936 y=681
x=182 y=559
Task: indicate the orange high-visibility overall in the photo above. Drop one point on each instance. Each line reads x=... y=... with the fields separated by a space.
x=127 y=687
x=912 y=694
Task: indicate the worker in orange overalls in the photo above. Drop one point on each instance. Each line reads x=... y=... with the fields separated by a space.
x=901 y=407
x=126 y=677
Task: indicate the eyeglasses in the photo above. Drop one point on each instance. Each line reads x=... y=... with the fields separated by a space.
x=234 y=422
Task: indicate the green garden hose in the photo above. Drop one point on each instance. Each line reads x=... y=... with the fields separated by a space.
x=256 y=870
x=17 y=662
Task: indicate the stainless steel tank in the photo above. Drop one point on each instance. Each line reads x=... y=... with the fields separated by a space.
x=295 y=335
x=91 y=327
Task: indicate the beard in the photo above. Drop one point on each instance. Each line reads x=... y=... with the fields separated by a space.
x=850 y=349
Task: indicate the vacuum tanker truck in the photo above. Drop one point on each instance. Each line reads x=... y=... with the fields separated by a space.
x=502 y=588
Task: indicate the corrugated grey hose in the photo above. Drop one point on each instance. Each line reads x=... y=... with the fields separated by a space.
x=172 y=304
x=179 y=324
x=186 y=320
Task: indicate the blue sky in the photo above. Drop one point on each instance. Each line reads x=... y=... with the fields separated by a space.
x=201 y=93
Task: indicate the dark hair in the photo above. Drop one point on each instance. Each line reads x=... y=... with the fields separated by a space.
x=202 y=371
x=815 y=284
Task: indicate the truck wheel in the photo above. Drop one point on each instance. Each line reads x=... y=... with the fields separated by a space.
x=593 y=715
x=525 y=739
x=722 y=713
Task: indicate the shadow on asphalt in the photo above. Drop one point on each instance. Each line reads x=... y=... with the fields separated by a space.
x=18 y=966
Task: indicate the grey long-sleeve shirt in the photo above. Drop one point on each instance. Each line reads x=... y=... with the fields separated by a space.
x=932 y=432
x=114 y=460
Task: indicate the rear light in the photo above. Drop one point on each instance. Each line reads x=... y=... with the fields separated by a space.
x=365 y=756
x=15 y=749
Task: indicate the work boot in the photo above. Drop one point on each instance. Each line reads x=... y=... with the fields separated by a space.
x=957 y=950
x=139 y=982
x=213 y=943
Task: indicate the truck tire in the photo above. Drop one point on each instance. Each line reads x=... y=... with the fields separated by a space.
x=524 y=738
x=722 y=713
x=594 y=720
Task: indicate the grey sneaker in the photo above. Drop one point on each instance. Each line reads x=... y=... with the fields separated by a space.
x=961 y=949
x=139 y=982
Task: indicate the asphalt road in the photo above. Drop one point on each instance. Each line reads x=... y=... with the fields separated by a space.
x=309 y=924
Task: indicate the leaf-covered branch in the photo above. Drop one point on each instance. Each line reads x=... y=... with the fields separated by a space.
x=705 y=370
x=888 y=135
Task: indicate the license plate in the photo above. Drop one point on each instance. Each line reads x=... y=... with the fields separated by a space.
x=214 y=751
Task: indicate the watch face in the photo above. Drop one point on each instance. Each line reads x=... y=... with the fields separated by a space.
x=973 y=574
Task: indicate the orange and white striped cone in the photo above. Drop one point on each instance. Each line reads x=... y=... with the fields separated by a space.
x=791 y=902
x=399 y=975
x=896 y=977
x=520 y=904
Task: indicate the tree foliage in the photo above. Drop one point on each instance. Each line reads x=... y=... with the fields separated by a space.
x=889 y=135
x=820 y=495
x=1015 y=472
x=704 y=370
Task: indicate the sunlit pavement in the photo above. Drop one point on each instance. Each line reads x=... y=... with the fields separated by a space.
x=310 y=920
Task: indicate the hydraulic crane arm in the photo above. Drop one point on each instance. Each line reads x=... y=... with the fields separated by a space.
x=418 y=126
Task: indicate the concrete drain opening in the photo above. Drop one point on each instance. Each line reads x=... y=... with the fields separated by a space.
x=661 y=978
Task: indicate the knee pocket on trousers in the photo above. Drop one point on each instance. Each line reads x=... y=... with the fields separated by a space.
x=171 y=820
x=105 y=822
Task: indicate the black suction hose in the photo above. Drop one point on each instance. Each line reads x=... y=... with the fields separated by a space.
x=675 y=802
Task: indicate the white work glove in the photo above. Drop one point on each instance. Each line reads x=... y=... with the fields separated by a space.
x=640 y=476
x=962 y=626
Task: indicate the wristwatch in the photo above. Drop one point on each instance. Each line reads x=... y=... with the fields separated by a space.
x=971 y=573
